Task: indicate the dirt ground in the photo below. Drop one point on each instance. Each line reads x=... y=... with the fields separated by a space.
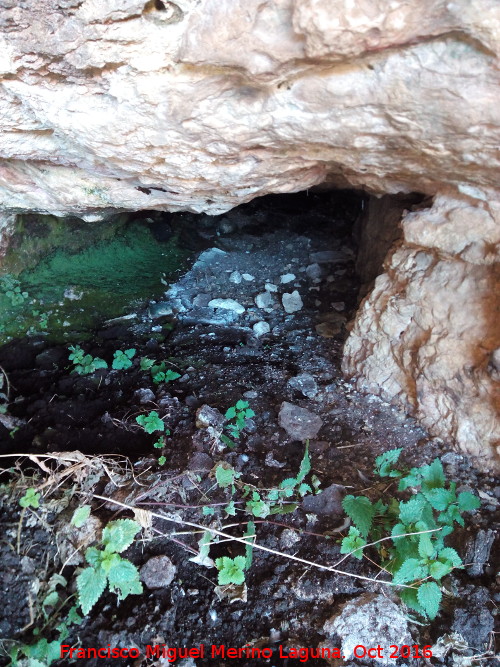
x=264 y=353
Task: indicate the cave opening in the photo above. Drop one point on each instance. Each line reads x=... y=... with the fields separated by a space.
x=251 y=305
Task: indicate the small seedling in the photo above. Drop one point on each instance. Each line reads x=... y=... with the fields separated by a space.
x=237 y=415
x=123 y=360
x=85 y=363
x=151 y=422
x=80 y=516
x=231 y=570
x=30 y=499
x=108 y=568
x=418 y=560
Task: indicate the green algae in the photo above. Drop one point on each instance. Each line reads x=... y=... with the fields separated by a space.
x=78 y=274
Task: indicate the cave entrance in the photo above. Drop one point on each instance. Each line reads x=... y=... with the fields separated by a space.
x=258 y=313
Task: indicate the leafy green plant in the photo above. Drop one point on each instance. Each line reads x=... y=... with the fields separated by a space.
x=108 y=568
x=231 y=570
x=30 y=499
x=123 y=360
x=84 y=363
x=416 y=554
x=151 y=422
x=237 y=415
x=11 y=287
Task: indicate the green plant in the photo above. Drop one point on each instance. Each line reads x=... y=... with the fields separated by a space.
x=108 y=568
x=84 y=363
x=30 y=499
x=122 y=360
x=237 y=415
x=151 y=422
x=11 y=287
x=415 y=555
x=231 y=570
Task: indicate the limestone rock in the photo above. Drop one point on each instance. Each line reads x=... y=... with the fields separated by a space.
x=299 y=423
x=158 y=572
x=292 y=302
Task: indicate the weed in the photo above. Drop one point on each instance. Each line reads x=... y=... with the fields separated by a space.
x=11 y=287
x=108 y=568
x=231 y=570
x=123 y=360
x=30 y=499
x=159 y=372
x=418 y=560
x=84 y=363
x=237 y=415
x=151 y=422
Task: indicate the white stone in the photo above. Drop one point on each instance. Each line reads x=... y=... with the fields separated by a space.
x=264 y=300
x=227 y=304
x=292 y=301
x=247 y=276
x=235 y=277
x=270 y=287
x=287 y=278
x=261 y=328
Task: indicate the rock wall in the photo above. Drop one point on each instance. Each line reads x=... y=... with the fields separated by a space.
x=115 y=105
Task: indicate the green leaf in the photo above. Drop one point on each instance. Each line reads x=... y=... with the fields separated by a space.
x=230 y=508
x=241 y=405
x=429 y=596
x=305 y=465
x=123 y=579
x=151 y=422
x=426 y=548
x=162 y=460
x=288 y=483
x=250 y=532
x=411 y=570
x=208 y=511
x=450 y=555
x=467 y=502
x=80 y=516
x=438 y=570
x=146 y=364
x=230 y=412
x=385 y=461
x=433 y=475
x=411 y=511
x=130 y=353
x=439 y=498
x=227 y=441
x=93 y=556
x=410 y=598
x=51 y=599
x=224 y=476
x=90 y=583
x=353 y=544
x=304 y=489
x=118 y=535
x=171 y=375
x=258 y=508
x=231 y=570
x=30 y=499
x=361 y=512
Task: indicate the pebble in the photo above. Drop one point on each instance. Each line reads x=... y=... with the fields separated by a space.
x=227 y=304
x=261 y=328
x=339 y=306
x=144 y=395
x=292 y=302
x=305 y=383
x=299 y=423
x=247 y=276
x=289 y=538
x=207 y=416
x=264 y=300
x=313 y=271
x=250 y=394
x=270 y=287
x=326 y=503
x=201 y=461
x=158 y=572
x=287 y=278
x=235 y=277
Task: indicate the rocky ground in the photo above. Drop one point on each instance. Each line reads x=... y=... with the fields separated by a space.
x=260 y=317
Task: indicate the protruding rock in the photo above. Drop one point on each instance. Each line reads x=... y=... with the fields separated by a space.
x=299 y=423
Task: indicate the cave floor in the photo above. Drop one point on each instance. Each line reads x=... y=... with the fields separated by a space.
x=238 y=349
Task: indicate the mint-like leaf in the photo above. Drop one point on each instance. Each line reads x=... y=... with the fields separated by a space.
x=361 y=511
x=385 y=461
x=467 y=502
x=429 y=596
x=118 y=535
x=411 y=570
x=90 y=583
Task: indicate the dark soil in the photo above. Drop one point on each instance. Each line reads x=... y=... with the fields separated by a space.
x=221 y=360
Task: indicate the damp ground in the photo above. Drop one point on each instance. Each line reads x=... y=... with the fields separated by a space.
x=260 y=317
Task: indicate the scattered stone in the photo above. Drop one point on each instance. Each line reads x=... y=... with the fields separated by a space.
x=72 y=542
x=158 y=572
x=247 y=276
x=292 y=302
x=299 y=423
x=478 y=552
x=261 y=328
x=202 y=300
x=144 y=395
x=289 y=538
x=370 y=620
x=287 y=278
x=474 y=621
x=271 y=287
x=305 y=383
x=264 y=300
x=227 y=304
x=201 y=461
x=314 y=271
x=250 y=394
x=339 y=306
x=235 y=277
x=326 y=503
x=207 y=416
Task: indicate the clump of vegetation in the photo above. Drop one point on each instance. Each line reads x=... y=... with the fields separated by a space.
x=237 y=415
x=151 y=422
x=11 y=287
x=123 y=360
x=85 y=364
x=416 y=554
x=159 y=372
x=107 y=568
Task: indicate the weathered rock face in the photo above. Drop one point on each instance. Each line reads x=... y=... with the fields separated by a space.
x=428 y=335
x=111 y=105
